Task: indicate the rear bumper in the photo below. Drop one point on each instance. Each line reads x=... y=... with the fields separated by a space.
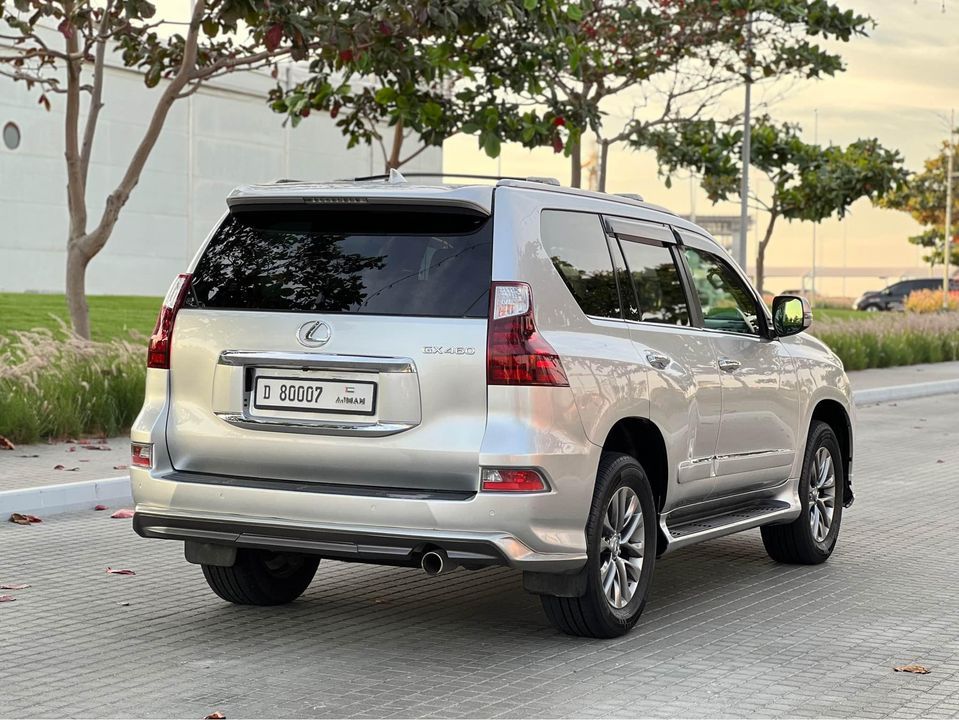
x=392 y=546
x=541 y=532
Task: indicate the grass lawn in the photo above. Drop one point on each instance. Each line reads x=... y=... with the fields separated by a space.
x=840 y=314
x=111 y=316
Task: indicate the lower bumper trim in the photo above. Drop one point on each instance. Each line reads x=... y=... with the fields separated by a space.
x=368 y=547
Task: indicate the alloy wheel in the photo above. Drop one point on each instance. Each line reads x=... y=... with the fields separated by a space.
x=822 y=494
x=622 y=547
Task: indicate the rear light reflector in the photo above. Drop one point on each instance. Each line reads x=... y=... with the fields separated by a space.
x=158 y=355
x=516 y=354
x=512 y=480
x=141 y=455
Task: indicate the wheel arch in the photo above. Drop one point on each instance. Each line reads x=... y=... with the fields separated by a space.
x=836 y=417
x=643 y=440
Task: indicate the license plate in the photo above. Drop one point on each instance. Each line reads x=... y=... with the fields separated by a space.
x=317 y=396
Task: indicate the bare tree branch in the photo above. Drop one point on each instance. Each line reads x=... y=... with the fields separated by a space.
x=96 y=101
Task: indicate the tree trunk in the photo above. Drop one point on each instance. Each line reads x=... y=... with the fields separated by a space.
x=603 y=160
x=76 y=290
x=393 y=162
x=761 y=251
x=576 y=164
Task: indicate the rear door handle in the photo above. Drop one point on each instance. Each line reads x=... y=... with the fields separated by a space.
x=657 y=360
x=728 y=364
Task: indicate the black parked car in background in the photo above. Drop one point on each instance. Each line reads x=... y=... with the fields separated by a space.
x=894 y=296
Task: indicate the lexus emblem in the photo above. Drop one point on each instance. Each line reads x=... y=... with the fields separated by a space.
x=314 y=333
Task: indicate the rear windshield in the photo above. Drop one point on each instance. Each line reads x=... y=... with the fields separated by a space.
x=372 y=260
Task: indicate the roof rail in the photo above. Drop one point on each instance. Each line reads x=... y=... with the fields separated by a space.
x=469 y=176
x=631 y=196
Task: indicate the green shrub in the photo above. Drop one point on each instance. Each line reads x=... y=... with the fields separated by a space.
x=891 y=339
x=55 y=385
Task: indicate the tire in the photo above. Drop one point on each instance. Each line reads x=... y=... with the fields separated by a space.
x=595 y=615
x=798 y=542
x=260 y=577
x=872 y=308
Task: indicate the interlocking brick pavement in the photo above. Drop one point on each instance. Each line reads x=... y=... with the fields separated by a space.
x=727 y=632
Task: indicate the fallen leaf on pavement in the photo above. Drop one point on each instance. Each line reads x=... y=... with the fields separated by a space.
x=215 y=716
x=121 y=467
x=120 y=572
x=124 y=604
x=72 y=448
x=100 y=507
x=28 y=456
x=5 y=444
x=915 y=669
x=21 y=519
x=940 y=462
x=13 y=587
x=123 y=514
x=95 y=447
x=62 y=467
x=7 y=598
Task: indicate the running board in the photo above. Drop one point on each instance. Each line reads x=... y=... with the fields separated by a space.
x=688 y=530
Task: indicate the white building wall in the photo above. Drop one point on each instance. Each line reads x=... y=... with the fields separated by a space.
x=223 y=136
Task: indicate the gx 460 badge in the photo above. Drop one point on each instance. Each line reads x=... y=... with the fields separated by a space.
x=447 y=350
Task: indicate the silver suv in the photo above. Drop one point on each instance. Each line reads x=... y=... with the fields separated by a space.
x=563 y=382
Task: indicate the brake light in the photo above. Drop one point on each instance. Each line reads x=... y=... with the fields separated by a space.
x=141 y=455
x=158 y=356
x=515 y=353
x=511 y=480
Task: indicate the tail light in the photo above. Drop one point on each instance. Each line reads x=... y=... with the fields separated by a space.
x=512 y=480
x=158 y=356
x=516 y=354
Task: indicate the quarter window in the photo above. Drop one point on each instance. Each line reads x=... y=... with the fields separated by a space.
x=726 y=300
x=655 y=278
x=576 y=244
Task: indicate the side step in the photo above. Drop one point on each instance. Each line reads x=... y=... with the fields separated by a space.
x=686 y=530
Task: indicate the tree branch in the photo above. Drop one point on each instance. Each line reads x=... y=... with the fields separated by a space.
x=76 y=185
x=95 y=240
x=96 y=101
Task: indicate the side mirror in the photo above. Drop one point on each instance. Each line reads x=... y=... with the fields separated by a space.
x=791 y=315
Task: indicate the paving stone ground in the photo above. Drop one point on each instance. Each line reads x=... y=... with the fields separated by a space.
x=31 y=466
x=727 y=633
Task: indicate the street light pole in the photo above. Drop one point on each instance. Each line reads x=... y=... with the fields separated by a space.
x=812 y=298
x=947 y=239
x=739 y=248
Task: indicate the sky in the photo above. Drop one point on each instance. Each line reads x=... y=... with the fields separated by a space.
x=899 y=85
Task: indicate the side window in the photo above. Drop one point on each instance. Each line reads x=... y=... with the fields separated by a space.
x=727 y=301
x=655 y=277
x=576 y=243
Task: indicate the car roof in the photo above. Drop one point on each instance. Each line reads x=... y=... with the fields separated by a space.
x=394 y=188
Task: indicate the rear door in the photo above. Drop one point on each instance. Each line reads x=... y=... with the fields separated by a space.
x=684 y=385
x=340 y=344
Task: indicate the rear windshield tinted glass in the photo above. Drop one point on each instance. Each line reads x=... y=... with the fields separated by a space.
x=379 y=261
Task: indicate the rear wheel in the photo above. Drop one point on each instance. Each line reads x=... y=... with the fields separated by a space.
x=811 y=538
x=621 y=540
x=260 y=577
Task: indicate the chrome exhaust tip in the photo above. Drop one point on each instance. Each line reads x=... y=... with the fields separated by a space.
x=436 y=562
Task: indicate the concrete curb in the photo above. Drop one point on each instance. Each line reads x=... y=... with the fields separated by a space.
x=905 y=392
x=52 y=499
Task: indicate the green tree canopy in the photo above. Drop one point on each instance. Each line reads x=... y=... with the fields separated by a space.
x=673 y=58
x=924 y=198
x=809 y=182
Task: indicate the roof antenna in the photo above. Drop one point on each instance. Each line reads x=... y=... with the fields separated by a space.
x=396 y=178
